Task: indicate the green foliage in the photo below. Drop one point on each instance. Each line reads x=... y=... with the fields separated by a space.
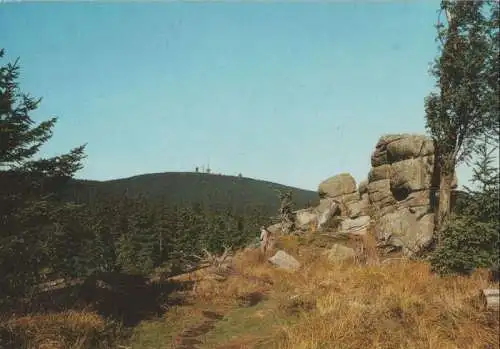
x=54 y=227
x=461 y=110
x=465 y=106
x=471 y=239
x=185 y=189
x=34 y=226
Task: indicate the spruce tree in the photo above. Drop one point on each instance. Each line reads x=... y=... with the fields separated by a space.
x=472 y=238
x=28 y=188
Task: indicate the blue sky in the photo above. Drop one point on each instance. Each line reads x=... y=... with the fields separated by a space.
x=287 y=92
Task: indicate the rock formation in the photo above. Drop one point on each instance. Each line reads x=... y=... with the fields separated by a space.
x=401 y=190
x=397 y=198
x=339 y=197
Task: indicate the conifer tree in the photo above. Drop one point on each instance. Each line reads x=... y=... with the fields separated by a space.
x=472 y=239
x=28 y=186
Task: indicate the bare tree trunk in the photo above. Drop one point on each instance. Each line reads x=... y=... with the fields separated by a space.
x=444 y=206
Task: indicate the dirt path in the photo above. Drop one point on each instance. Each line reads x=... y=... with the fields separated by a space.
x=189 y=338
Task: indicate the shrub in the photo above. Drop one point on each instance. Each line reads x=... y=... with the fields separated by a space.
x=471 y=239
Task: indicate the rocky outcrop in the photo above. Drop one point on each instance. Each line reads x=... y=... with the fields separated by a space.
x=341 y=205
x=397 y=198
x=342 y=190
x=319 y=217
x=337 y=186
x=400 y=191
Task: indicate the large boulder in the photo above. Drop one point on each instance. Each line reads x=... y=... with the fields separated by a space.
x=336 y=186
x=379 y=156
x=318 y=217
x=400 y=191
x=359 y=208
x=409 y=147
x=405 y=230
x=412 y=174
x=305 y=218
x=283 y=260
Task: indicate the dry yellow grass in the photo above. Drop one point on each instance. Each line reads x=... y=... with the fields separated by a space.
x=64 y=330
x=364 y=305
x=360 y=303
x=395 y=306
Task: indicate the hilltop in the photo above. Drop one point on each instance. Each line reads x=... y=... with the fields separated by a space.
x=178 y=188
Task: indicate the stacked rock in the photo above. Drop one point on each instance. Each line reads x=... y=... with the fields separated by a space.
x=400 y=190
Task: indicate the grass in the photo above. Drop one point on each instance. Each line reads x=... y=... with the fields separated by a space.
x=62 y=330
x=360 y=303
x=353 y=305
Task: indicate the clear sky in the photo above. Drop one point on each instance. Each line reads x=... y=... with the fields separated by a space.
x=287 y=92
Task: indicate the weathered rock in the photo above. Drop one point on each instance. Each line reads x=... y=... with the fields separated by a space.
x=379 y=173
x=379 y=156
x=412 y=174
x=409 y=147
x=385 y=140
x=380 y=194
x=339 y=253
x=350 y=225
x=283 y=260
x=398 y=193
x=347 y=198
x=363 y=187
x=338 y=185
x=402 y=229
x=419 y=198
x=325 y=211
x=359 y=208
x=424 y=232
x=305 y=218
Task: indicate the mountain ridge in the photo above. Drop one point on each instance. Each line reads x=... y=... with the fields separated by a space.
x=190 y=187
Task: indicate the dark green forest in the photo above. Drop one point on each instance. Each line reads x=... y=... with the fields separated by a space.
x=53 y=226
x=184 y=188
x=139 y=223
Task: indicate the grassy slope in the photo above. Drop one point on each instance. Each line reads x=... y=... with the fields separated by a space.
x=393 y=305
x=182 y=187
x=321 y=306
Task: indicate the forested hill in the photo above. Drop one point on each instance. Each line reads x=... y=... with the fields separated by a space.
x=180 y=188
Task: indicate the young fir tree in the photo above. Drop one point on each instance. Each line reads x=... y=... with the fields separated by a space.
x=164 y=230
x=145 y=235
x=27 y=190
x=472 y=239
x=286 y=216
x=460 y=110
x=100 y=221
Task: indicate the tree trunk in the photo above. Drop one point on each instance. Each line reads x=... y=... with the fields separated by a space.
x=444 y=206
